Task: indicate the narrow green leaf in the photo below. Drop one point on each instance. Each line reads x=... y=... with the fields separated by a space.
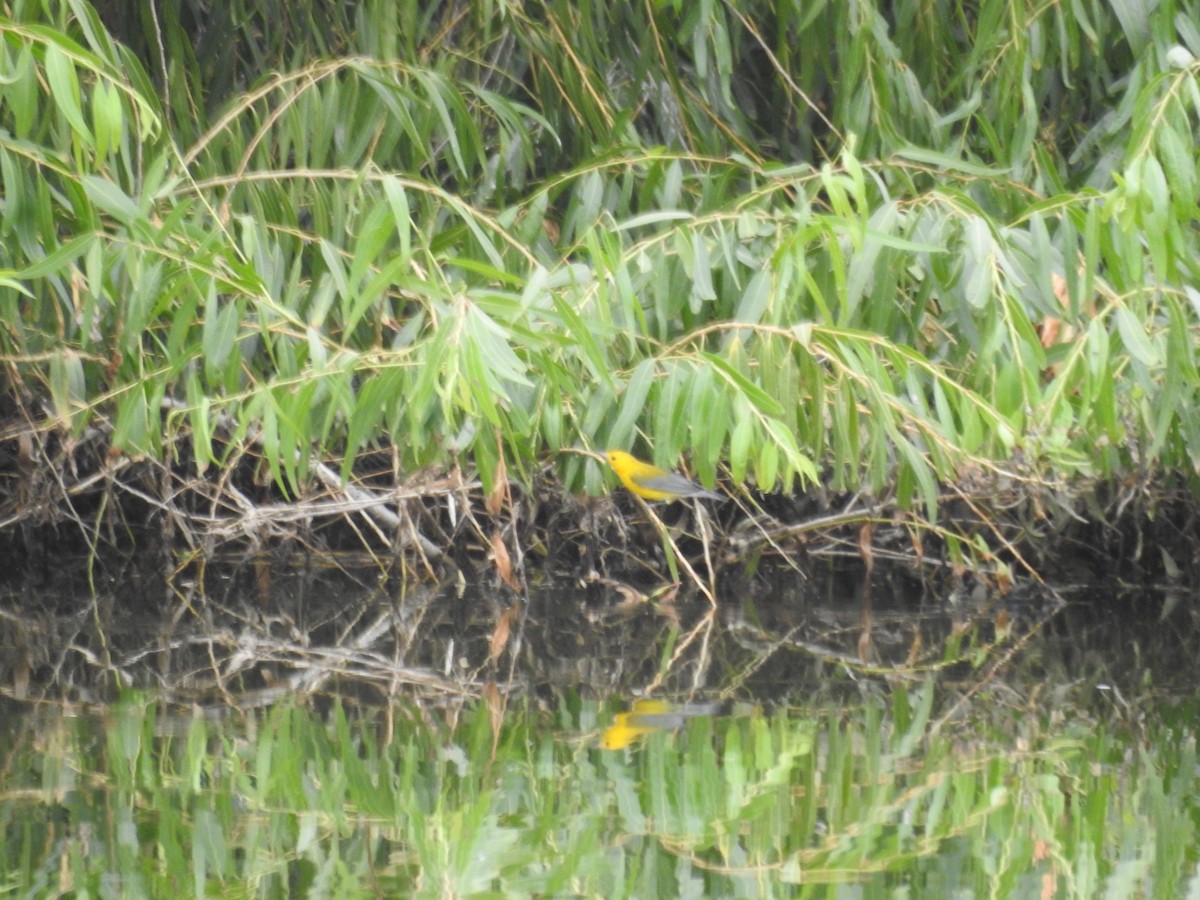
x=579 y=330
x=493 y=340
x=131 y=426
x=336 y=266
x=202 y=435
x=22 y=95
x=1135 y=339
x=219 y=336
x=393 y=188
x=66 y=383
x=110 y=198
x=652 y=218
x=754 y=300
x=15 y=285
x=702 y=284
x=945 y=162
x=977 y=262
x=670 y=425
x=54 y=263
x=895 y=242
x=740 y=442
x=633 y=402
x=1179 y=161
x=437 y=91
x=1134 y=16
x=108 y=117
x=64 y=91
x=767 y=471
x=760 y=399
x=798 y=463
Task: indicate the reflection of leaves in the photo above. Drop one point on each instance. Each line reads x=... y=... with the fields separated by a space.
x=501 y=634
x=495 y=706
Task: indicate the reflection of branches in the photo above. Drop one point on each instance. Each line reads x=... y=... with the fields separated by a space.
x=705 y=589
x=249 y=654
x=702 y=629
x=995 y=668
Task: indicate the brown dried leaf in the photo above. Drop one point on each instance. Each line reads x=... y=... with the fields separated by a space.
x=1004 y=625
x=918 y=545
x=1053 y=330
x=262 y=580
x=500 y=495
x=864 y=545
x=495 y=704
x=21 y=673
x=1058 y=284
x=1004 y=578
x=866 y=646
x=500 y=634
x=503 y=562
x=914 y=649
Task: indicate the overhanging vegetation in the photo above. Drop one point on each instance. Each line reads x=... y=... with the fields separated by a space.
x=894 y=247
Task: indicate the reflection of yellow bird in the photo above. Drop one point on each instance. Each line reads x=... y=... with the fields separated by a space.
x=649 y=716
x=652 y=483
x=628 y=727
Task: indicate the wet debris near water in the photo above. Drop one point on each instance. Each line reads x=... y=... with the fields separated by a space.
x=428 y=586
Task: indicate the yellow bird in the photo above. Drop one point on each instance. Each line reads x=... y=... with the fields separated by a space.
x=633 y=726
x=652 y=483
x=648 y=716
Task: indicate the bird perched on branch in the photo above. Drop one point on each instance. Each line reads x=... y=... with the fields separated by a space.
x=650 y=482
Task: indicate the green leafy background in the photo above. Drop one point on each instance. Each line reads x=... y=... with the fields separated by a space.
x=875 y=245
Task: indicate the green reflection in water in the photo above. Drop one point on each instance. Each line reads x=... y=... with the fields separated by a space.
x=857 y=801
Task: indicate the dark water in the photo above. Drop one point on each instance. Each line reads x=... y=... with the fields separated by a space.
x=323 y=732
x=247 y=634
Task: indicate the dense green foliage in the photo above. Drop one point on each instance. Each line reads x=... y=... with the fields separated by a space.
x=287 y=804
x=870 y=243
